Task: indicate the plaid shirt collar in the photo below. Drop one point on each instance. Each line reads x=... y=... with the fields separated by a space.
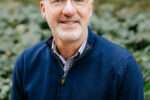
x=70 y=60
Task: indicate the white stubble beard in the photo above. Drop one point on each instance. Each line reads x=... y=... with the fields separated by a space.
x=69 y=35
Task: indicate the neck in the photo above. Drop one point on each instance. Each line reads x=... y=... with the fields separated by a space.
x=69 y=49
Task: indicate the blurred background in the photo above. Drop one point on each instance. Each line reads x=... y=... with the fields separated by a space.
x=125 y=22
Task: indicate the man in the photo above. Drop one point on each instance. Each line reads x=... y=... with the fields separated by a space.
x=75 y=63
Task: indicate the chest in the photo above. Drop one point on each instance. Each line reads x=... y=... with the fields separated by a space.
x=85 y=81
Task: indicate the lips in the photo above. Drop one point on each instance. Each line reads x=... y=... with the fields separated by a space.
x=69 y=22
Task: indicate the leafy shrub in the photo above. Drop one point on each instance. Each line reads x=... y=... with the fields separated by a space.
x=22 y=27
x=19 y=28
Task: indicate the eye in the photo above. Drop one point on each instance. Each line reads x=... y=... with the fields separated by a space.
x=58 y=0
x=55 y=1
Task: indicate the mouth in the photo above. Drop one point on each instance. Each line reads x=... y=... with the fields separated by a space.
x=69 y=22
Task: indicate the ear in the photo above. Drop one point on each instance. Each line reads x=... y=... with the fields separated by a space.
x=42 y=5
x=91 y=9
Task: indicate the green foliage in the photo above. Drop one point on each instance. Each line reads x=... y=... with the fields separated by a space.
x=19 y=28
x=22 y=27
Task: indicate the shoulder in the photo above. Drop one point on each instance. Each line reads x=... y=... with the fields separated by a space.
x=116 y=58
x=36 y=47
x=33 y=51
x=108 y=48
x=112 y=55
x=103 y=46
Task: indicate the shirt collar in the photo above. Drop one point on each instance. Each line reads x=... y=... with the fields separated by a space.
x=80 y=51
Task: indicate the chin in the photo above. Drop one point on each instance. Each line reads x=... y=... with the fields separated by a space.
x=69 y=35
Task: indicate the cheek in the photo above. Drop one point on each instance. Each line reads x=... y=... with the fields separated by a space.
x=52 y=15
x=52 y=19
x=84 y=15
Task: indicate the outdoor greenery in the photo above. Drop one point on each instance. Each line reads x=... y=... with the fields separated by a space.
x=24 y=26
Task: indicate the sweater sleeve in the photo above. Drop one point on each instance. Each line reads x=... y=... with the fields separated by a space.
x=17 y=92
x=131 y=86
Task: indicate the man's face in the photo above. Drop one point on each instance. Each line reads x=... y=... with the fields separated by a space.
x=68 y=22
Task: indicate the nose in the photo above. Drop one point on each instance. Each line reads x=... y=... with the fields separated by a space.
x=68 y=9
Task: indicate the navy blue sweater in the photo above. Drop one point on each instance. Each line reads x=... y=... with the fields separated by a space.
x=105 y=71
